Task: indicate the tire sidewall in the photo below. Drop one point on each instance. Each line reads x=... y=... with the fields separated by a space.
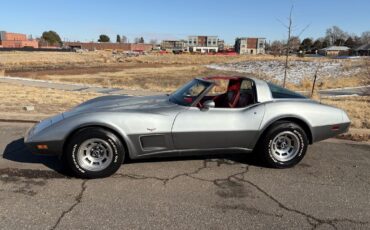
x=85 y=134
x=273 y=132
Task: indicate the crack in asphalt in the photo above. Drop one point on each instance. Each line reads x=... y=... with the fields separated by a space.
x=78 y=200
x=163 y=180
x=312 y=220
x=240 y=177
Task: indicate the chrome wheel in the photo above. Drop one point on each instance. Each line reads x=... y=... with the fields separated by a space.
x=285 y=146
x=94 y=154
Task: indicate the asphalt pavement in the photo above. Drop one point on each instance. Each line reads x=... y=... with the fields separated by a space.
x=329 y=189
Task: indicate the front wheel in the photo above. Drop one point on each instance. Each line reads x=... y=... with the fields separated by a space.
x=94 y=153
x=284 y=145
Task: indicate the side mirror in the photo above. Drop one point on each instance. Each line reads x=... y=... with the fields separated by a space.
x=209 y=104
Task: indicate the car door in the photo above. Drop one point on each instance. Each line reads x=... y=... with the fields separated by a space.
x=217 y=127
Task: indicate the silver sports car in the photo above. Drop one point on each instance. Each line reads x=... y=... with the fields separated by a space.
x=206 y=115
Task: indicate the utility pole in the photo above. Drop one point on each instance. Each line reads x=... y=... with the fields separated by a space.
x=314 y=80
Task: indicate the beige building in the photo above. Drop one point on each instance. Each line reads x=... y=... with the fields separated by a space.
x=335 y=51
x=250 y=45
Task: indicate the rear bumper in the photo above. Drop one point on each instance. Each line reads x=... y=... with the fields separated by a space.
x=320 y=133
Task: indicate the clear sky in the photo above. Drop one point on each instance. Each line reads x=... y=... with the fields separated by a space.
x=84 y=20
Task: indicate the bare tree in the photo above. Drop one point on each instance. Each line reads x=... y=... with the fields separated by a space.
x=277 y=48
x=295 y=43
x=137 y=40
x=365 y=37
x=153 y=41
x=336 y=34
x=288 y=48
x=124 y=39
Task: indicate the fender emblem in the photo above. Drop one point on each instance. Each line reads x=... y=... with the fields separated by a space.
x=151 y=129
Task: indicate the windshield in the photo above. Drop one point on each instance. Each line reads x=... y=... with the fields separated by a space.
x=189 y=93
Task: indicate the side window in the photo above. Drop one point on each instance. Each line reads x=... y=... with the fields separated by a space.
x=246 y=85
x=279 y=92
x=219 y=88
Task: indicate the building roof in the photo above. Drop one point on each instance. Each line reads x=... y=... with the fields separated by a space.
x=244 y=38
x=363 y=47
x=336 y=48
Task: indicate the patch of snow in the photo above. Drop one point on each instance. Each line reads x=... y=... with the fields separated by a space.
x=298 y=70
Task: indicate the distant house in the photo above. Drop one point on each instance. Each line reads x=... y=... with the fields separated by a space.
x=221 y=45
x=335 y=51
x=363 y=50
x=250 y=45
x=202 y=44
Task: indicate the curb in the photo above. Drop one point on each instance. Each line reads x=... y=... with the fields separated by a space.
x=19 y=121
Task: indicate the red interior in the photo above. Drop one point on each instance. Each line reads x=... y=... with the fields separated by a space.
x=232 y=98
x=233 y=92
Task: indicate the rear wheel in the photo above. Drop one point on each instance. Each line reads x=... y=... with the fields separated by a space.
x=94 y=153
x=284 y=145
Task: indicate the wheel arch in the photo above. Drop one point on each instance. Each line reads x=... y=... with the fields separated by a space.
x=106 y=127
x=299 y=121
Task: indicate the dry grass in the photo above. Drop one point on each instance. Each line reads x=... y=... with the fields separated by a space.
x=159 y=72
x=161 y=79
x=306 y=84
x=46 y=101
x=196 y=59
x=28 y=60
x=25 y=60
x=357 y=108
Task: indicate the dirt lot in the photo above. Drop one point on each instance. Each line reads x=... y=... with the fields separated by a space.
x=165 y=73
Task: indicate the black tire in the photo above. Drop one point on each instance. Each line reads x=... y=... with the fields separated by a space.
x=284 y=129
x=74 y=160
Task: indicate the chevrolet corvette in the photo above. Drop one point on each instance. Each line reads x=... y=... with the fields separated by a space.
x=218 y=114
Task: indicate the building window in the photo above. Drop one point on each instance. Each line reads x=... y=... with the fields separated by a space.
x=214 y=42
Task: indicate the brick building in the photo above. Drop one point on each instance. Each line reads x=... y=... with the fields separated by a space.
x=250 y=45
x=109 y=46
x=16 y=40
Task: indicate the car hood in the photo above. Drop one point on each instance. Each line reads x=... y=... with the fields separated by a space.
x=121 y=103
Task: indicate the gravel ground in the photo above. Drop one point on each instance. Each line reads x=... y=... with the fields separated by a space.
x=298 y=70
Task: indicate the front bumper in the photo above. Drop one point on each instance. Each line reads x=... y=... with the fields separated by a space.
x=32 y=138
